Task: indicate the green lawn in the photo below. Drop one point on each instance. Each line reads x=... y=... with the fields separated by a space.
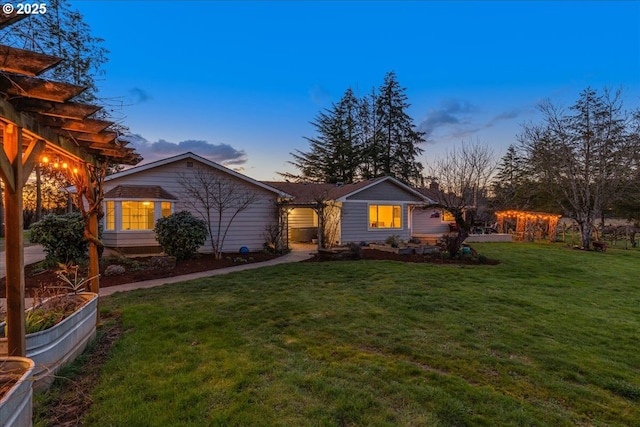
x=551 y=336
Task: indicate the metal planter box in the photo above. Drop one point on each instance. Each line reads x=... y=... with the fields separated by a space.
x=54 y=347
x=16 y=408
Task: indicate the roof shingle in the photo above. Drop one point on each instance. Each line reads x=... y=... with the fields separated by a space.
x=139 y=192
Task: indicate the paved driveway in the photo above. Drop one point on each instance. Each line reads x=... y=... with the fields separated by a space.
x=32 y=254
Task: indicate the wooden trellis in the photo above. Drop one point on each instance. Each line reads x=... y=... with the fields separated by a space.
x=529 y=226
x=38 y=123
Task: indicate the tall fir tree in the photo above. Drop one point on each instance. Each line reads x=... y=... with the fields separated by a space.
x=400 y=143
x=370 y=134
x=363 y=138
x=334 y=154
x=510 y=185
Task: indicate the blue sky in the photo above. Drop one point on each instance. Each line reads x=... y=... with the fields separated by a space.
x=239 y=82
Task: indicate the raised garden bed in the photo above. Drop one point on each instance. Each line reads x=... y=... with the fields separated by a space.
x=52 y=348
x=15 y=392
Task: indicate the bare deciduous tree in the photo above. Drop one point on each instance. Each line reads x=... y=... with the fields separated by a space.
x=217 y=200
x=463 y=175
x=583 y=157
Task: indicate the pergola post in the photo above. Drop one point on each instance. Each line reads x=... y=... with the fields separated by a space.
x=14 y=255
x=94 y=265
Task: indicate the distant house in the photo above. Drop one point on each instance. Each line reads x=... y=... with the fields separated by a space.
x=136 y=198
x=368 y=211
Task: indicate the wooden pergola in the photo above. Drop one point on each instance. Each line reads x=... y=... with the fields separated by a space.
x=529 y=225
x=40 y=125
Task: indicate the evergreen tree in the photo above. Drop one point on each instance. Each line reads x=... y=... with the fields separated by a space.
x=363 y=138
x=370 y=134
x=334 y=154
x=400 y=141
x=510 y=185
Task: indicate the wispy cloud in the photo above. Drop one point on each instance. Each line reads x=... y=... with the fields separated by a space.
x=224 y=154
x=138 y=96
x=452 y=112
x=507 y=115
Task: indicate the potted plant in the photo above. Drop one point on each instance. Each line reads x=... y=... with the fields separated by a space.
x=59 y=327
x=15 y=391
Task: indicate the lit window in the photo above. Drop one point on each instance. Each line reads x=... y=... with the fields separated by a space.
x=137 y=216
x=385 y=216
x=110 y=216
x=166 y=209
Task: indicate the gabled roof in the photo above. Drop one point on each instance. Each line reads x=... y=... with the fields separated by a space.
x=190 y=155
x=139 y=192
x=309 y=193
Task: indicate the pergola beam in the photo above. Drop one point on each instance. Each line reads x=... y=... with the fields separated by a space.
x=103 y=138
x=31 y=87
x=14 y=60
x=6 y=20
x=30 y=158
x=38 y=131
x=86 y=125
x=66 y=110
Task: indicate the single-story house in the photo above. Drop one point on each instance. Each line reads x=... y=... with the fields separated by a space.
x=368 y=211
x=136 y=198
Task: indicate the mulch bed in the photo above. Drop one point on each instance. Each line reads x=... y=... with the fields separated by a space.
x=36 y=279
x=374 y=254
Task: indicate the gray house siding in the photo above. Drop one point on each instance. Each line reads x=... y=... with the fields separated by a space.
x=247 y=229
x=423 y=223
x=385 y=191
x=355 y=227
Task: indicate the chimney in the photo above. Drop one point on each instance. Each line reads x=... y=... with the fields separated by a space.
x=434 y=185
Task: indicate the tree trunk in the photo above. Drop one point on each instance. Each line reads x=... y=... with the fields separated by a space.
x=38 y=194
x=455 y=243
x=586 y=227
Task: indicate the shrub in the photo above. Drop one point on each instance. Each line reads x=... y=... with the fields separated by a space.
x=181 y=234
x=114 y=270
x=162 y=263
x=394 y=241
x=355 y=250
x=62 y=237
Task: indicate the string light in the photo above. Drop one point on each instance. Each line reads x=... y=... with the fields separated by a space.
x=61 y=165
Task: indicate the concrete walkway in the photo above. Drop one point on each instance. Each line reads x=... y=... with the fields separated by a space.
x=32 y=254
x=298 y=253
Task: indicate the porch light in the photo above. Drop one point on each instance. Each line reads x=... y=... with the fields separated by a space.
x=44 y=159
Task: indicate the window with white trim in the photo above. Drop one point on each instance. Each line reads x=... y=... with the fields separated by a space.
x=385 y=216
x=110 y=216
x=137 y=215
x=134 y=214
